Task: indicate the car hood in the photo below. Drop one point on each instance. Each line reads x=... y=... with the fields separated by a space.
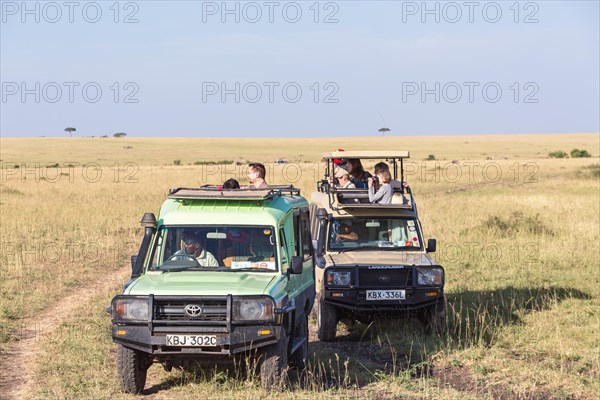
x=194 y=283
x=380 y=258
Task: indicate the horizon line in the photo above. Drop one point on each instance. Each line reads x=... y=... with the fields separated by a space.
x=297 y=137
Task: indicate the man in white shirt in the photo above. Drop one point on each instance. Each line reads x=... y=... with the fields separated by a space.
x=193 y=247
x=343 y=178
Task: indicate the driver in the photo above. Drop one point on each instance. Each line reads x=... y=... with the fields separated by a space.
x=193 y=248
x=346 y=232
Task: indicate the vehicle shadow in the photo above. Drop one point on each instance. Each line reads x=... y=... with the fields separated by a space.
x=220 y=374
x=365 y=353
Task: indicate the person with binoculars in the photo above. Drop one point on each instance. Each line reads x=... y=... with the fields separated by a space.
x=385 y=191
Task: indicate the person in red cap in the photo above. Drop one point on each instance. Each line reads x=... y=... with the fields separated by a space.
x=338 y=161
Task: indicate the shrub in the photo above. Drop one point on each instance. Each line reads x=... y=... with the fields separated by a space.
x=588 y=171
x=576 y=153
x=508 y=225
x=430 y=157
x=176 y=162
x=558 y=154
x=213 y=162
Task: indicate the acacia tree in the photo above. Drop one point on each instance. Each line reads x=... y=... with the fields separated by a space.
x=70 y=130
x=120 y=135
x=383 y=131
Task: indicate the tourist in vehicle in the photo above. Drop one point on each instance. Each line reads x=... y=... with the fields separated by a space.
x=357 y=173
x=342 y=179
x=385 y=192
x=231 y=184
x=394 y=183
x=261 y=245
x=193 y=247
x=256 y=176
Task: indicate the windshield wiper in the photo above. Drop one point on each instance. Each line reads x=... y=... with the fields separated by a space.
x=353 y=249
x=178 y=269
x=374 y=248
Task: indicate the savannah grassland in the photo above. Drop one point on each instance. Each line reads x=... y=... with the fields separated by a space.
x=518 y=235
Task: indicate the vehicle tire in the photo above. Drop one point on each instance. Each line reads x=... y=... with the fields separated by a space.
x=132 y=367
x=434 y=318
x=300 y=358
x=273 y=368
x=327 y=320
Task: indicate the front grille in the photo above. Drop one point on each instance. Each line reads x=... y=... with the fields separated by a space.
x=174 y=310
x=385 y=278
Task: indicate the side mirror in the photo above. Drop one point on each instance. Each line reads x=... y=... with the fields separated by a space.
x=296 y=265
x=317 y=247
x=318 y=254
x=431 y=246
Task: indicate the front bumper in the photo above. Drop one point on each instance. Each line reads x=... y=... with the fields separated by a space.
x=355 y=299
x=238 y=340
x=166 y=317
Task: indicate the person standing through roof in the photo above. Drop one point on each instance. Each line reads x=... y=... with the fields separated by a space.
x=231 y=184
x=256 y=176
x=343 y=179
x=394 y=183
x=385 y=192
x=357 y=173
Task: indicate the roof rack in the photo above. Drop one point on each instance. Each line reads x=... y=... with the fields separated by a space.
x=215 y=192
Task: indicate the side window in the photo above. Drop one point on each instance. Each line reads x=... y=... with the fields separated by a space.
x=162 y=248
x=313 y=222
x=297 y=235
x=306 y=238
x=283 y=251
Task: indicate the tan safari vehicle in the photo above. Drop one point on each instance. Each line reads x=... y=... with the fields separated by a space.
x=371 y=259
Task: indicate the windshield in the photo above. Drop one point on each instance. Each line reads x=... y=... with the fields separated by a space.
x=218 y=248
x=374 y=233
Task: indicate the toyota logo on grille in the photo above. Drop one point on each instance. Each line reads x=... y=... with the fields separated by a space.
x=193 y=310
x=384 y=278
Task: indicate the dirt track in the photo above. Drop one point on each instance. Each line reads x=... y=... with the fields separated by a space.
x=17 y=363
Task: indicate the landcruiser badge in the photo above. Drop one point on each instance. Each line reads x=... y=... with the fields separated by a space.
x=384 y=278
x=193 y=310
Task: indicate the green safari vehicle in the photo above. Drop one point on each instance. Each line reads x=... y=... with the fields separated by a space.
x=220 y=275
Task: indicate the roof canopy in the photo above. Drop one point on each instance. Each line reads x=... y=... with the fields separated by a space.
x=366 y=154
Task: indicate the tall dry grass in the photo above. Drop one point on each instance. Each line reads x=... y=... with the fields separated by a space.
x=518 y=237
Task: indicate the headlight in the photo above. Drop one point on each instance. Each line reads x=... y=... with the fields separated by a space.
x=133 y=309
x=253 y=309
x=339 y=278
x=430 y=276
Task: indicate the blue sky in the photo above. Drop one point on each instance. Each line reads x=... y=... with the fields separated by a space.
x=299 y=69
